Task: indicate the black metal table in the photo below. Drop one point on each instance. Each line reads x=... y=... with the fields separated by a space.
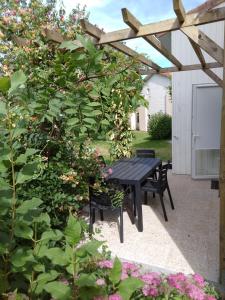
x=134 y=171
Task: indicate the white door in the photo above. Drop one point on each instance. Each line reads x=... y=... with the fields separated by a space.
x=206 y=124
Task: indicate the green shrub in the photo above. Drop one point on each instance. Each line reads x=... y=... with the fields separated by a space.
x=160 y=126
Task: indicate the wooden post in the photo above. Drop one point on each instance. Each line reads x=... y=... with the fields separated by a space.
x=222 y=181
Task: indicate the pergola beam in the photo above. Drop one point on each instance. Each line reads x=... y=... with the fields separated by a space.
x=214 y=77
x=184 y=68
x=222 y=182
x=97 y=33
x=135 y=24
x=198 y=52
x=179 y=10
x=207 y=44
x=215 y=15
x=181 y=15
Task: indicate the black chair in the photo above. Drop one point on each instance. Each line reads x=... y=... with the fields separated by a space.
x=103 y=201
x=158 y=187
x=145 y=153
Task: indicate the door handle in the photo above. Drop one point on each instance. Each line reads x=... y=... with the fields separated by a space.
x=195 y=136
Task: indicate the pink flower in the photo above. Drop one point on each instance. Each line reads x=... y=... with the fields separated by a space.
x=208 y=297
x=115 y=297
x=199 y=280
x=127 y=266
x=148 y=291
x=194 y=292
x=108 y=264
x=100 y=281
x=151 y=278
x=135 y=274
x=124 y=275
x=110 y=171
x=177 y=281
x=129 y=269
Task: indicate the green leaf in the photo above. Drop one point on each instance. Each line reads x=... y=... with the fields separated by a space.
x=93 y=104
x=97 y=112
x=90 y=248
x=18 y=131
x=27 y=205
x=105 y=122
x=115 y=273
x=4 y=185
x=39 y=268
x=89 y=120
x=58 y=290
x=73 y=231
x=86 y=280
x=22 y=230
x=21 y=257
x=26 y=173
x=89 y=293
x=4 y=84
x=70 y=45
x=128 y=286
x=72 y=121
x=42 y=279
x=57 y=256
x=6 y=200
x=18 y=78
x=22 y=158
x=70 y=111
x=43 y=218
x=53 y=235
x=3 y=110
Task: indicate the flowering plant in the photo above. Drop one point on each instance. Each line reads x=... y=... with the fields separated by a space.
x=124 y=280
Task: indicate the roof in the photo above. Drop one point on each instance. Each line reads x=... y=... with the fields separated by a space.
x=168 y=75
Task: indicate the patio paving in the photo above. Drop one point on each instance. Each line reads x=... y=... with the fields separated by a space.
x=188 y=242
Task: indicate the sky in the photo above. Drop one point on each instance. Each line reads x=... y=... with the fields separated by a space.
x=107 y=14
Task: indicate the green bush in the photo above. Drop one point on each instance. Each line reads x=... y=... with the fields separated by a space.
x=160 y=126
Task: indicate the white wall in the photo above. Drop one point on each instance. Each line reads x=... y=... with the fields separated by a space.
x=155 y=91
x=182 y=87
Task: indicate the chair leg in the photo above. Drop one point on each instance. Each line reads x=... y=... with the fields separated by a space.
x=101 y=215
x=171 y=200
x=134 y=202
x=121 y=225
x=92 y=216
x=163 y=207
x=146 y=197
x=153 y=195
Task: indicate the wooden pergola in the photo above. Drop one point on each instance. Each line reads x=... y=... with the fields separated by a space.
x=186 y=23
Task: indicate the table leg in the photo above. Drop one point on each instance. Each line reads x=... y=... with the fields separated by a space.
x=139 y=206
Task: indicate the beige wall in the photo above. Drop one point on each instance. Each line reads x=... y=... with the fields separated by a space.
x=143 y=118
x=169 y=105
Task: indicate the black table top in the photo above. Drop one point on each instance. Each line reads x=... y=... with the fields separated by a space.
x=133 y=170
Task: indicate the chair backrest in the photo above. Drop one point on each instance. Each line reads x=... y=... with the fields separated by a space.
x=145 y=153
x=163 y=176
x=103 y=198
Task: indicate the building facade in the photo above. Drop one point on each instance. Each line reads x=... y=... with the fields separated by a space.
x=156 y=91
x=196 y=110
